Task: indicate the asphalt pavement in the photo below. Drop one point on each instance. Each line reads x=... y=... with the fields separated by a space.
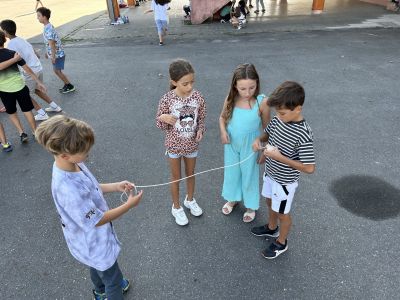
x=343 y=243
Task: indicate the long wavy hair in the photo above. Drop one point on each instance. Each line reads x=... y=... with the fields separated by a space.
x=242 y=71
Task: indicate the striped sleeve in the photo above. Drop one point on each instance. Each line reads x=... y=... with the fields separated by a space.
x=306 y=153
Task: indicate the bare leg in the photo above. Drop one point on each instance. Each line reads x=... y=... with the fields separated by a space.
x=36 y=105
x=3 y=139
x=31 y=120
x=42 y=95
x=175 y=165
x=190 y=164
x=272 y=216
x=62 y=76
x=286 y=222
x=161 y=37
x=16 y=122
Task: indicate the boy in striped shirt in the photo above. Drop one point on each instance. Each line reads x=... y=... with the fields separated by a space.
x=289 y=151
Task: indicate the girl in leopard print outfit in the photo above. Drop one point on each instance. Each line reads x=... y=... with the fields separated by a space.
x=181 y=113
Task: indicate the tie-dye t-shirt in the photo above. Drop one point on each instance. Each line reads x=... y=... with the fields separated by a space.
x=190 y=113
x=81 y=205
x=49 y=33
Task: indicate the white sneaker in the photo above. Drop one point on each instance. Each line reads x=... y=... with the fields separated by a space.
x=195 y=209
x=180 y=216
x=41 y=117
x=50 y=109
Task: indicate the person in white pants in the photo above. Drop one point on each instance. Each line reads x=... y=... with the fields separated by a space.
x=257 y=6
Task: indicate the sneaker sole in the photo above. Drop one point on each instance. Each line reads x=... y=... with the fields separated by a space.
x=67 y=92
x=41 y=119
x=52 y=111
x=124 y=290
x=183 y=224
x=180 y=224
x=266 y=234
x=196 y=215
x=277 y=253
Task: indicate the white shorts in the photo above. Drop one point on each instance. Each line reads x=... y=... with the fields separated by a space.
x=31 y=84
x=172 y=155
x=281 y=195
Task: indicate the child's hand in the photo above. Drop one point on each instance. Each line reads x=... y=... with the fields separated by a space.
x=17 y=56
x=199 y=136
x=273 y=152
x=133 y=200
x=124 y=186
x=256 y=145
x=169 y=119
x=225 y=138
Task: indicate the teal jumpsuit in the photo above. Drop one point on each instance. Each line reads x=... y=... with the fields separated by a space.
x=241 y=182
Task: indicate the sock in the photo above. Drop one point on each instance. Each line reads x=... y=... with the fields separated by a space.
x=53 y=105
x=41 y=112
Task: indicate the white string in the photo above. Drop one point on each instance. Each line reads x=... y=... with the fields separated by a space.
x=184 y=178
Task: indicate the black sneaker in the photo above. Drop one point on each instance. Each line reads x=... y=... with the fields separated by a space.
x=265 y=231
x=274 y=250
x=68 y=89
x=161 y=44
x=23 y=137
x=61 y=89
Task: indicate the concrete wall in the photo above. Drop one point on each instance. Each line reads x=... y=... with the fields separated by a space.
x=204 y=9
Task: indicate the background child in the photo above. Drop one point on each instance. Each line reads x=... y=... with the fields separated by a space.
x=257 y=6
x=13 y=88
x=5 y=146
x=181 y=113
x=37 y=4
x=242 y=118
x=160 y=8
x=290 y=152
x=23 y=48
x=84 y=214
x=239 y=15
x=54 y=48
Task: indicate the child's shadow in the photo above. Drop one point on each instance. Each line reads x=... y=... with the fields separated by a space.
x=367 y=196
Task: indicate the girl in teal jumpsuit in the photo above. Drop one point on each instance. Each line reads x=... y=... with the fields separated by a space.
x=241 y=121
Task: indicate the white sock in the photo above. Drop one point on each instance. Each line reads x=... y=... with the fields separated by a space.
x=41 y=112
x=53 y=104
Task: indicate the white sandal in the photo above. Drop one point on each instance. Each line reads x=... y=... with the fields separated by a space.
x=250 y=214
x=228 y=207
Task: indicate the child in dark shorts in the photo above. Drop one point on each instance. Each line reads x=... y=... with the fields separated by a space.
x=13 y=88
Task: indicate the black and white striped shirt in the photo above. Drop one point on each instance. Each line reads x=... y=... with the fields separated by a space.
x=295 y=141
